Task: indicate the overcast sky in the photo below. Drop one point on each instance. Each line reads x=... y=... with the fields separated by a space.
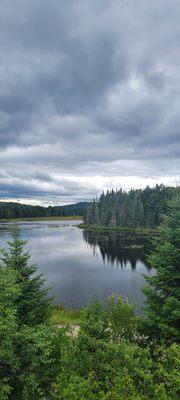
x=89 y=97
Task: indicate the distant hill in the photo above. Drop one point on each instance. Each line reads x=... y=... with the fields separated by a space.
x=17 y=210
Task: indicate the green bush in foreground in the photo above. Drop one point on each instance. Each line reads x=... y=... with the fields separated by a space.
x=101 y=364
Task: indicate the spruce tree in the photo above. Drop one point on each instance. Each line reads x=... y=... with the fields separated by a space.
x=9 y=292
x=163 y=293
x=33 y=303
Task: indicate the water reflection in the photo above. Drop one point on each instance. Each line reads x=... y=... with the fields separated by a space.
x=79 y=264
x=119 y=249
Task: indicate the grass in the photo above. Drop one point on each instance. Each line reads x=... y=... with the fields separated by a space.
x=66 y=316
x=100 y=228
x=28 y=219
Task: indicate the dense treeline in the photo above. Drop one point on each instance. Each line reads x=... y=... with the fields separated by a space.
x=114 y=356
x=17 y=210
x=136 y=208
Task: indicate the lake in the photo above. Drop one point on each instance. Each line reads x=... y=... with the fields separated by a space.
x=80 y=264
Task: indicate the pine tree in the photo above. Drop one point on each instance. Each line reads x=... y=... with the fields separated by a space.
x=9 y=292
x=163 y=293
x=33 y=304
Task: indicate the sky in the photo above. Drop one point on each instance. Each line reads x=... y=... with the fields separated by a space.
x=89 y=97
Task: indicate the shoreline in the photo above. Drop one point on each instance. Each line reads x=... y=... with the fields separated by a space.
x=106 y=229
x=82 y=225
x=52 y=218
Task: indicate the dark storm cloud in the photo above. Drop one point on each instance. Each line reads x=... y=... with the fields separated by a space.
x=89 y=94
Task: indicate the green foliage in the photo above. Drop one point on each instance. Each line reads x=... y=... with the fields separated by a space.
x=100 y=364
x=78 y=388
x=133 y=210
x=115 y=319
x=163 y=293
x=33 y=305
x=5 y=389
x=9 y=292
x=39 y=352
x=10 y=210
x=96 y=320
x=122 y=318
x=62 y=315
x=29 y=350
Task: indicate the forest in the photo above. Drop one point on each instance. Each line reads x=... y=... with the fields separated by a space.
x=115 y=355
x=133 y=209
x=16 y=210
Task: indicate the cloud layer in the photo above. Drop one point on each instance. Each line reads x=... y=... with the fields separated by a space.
x=89 y=97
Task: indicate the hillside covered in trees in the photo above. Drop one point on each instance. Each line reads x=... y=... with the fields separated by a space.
x=133 y=209
x=17 y=210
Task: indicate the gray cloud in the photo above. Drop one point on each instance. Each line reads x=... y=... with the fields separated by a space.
x=89 y=95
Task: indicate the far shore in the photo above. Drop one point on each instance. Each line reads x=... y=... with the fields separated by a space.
x=118 y=229
x=82 y=225
x=29 y=219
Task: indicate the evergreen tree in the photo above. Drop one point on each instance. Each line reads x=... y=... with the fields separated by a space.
x=29 y=356
x=33 y=304
x=29 y=348
x=163 y=293
x=133 y=209
x=9 y=292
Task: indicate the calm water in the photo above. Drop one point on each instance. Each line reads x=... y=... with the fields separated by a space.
x=79 y=264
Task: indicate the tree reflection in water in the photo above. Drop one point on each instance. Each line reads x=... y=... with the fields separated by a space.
x=119 y=249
